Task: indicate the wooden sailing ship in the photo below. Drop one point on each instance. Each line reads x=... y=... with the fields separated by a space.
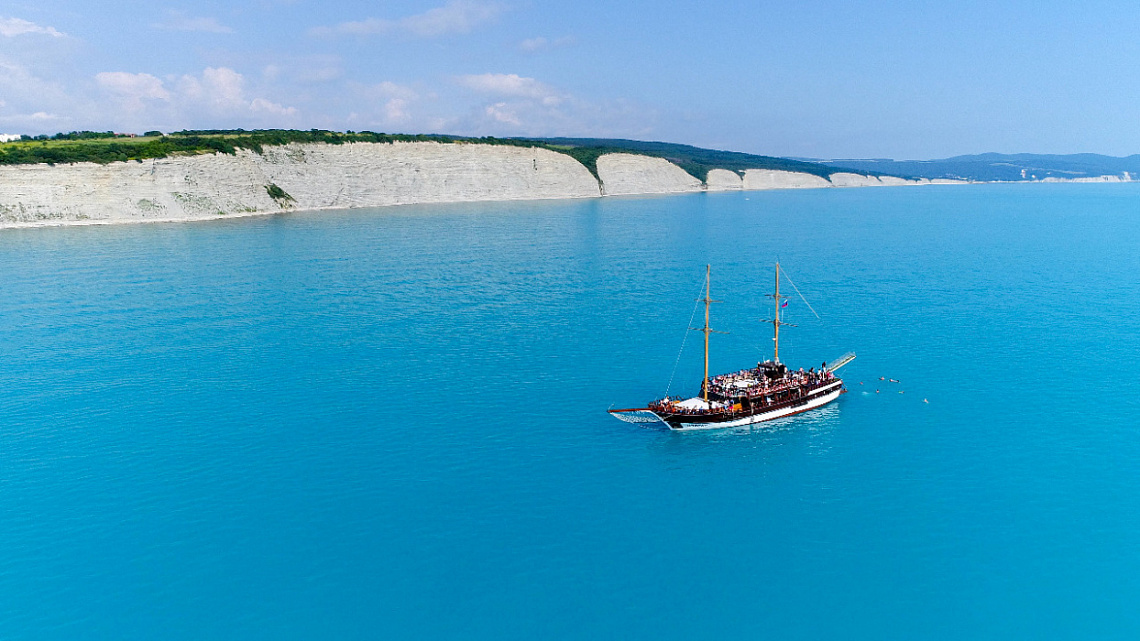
x=768 y=391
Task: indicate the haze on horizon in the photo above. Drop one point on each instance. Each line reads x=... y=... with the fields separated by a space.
x=827 y=79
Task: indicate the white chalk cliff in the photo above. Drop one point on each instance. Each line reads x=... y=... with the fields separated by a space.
x=314 y=176
x=626 y=174
x=723 y=180
x=775 y=179
x=324 y=176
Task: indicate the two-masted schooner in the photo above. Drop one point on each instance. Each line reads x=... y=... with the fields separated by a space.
x=768 y=391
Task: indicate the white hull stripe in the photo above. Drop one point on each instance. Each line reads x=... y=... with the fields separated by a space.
x=818 y=401
x=825 y=388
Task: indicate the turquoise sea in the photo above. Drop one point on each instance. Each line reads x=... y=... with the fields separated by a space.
x=391 y=423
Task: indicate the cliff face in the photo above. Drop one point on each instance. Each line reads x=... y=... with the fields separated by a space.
x=324 y=176
x=844 y=179
x=313 y=176
x=723 y=180
x=369 y=175
x=624 y=174
x=775 y=179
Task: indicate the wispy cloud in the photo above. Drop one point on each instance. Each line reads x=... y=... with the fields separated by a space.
x=535 y=45
x=512 y=85
x=133 y=89
x=319 y=74
x=367 y=27
x=264 y=106
x=515 y=105
x=303 y=69
x=457 y=16
x=179 y=21
x=12 y=27
x=31 y=101
x=36 y=120
x=221 y=92
x=397 y=103
x=217 y=93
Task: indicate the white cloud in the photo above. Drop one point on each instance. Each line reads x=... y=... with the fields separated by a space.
x=396 y=111
x=38 y=116
x=11 y=27
x=505 y=84
x=501 y=112
x=179 y=21
x=218 y=97
x=281 y=91
x=520 y=106
x=371 y=26
x=133 y=89
x=393 y=90
x=37 y=121
x=261 y=105
x=398 y=102
x=319 y=73
x=220 y=89
x=535 y=45
x=32 y=101
x=221 y=92
x=303 y=69
x=457 y=16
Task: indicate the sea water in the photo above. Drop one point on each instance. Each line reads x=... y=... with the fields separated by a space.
x=391 y=423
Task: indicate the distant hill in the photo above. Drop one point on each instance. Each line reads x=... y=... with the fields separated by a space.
x=695 y=160
x=106 y=147
x=1003 y=167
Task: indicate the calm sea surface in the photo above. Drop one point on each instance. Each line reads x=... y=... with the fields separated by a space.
x=391 y=423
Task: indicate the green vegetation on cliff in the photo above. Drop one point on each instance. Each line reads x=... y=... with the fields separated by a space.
x=695 y=160
x=86 y=146
x=278 y=194
x=106 y=147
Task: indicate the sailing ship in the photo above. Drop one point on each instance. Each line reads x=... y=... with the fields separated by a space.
x=768 y=391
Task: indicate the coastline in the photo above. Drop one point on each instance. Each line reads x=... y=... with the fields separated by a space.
x=260 y=214
x=322 y=177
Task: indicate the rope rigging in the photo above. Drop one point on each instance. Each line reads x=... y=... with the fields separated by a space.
x=683 y=341
x=785 y=270
x=759 y=348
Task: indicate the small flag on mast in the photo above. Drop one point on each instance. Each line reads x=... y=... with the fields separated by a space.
x=784 y=305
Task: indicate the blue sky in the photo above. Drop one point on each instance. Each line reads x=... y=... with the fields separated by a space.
x=819 y=79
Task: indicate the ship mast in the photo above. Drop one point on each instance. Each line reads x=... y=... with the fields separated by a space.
x=776 y=322
x=706 y=330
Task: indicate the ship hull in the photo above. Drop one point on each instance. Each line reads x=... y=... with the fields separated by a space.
x=806 y=404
